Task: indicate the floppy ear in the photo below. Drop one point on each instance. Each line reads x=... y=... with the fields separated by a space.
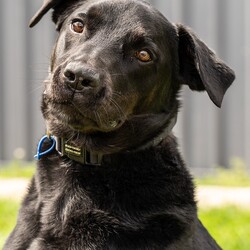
x=200 y=68
x=47 y=5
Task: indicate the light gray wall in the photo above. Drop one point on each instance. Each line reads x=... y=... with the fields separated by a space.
x=208 y=136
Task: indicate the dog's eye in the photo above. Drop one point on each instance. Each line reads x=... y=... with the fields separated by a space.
x=143 y=56
x=77 y=26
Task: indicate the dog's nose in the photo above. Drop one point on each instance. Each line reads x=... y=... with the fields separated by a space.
x=79 y=77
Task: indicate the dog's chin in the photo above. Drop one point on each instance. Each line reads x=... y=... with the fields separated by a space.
x=67 y=118
x=84 y=125
x=89 y=126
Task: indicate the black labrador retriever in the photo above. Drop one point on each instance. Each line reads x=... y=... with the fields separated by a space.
x=109 y=174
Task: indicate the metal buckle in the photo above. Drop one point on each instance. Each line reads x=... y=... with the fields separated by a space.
x=81 y=155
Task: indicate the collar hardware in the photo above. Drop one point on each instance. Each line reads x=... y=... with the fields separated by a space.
x=78 y=154
x=40 y=151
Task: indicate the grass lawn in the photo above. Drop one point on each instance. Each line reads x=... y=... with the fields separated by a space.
x=230 y=226
x=8 y=213
x=17 y=169
x=237 y=175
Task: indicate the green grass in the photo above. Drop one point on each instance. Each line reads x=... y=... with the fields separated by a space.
x=236 y=175
x=230 y=226
x=17 y=169
x=8 y=213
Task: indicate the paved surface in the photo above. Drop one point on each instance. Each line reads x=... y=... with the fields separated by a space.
x=213 y=196
x=13 y=188
x=207 y=196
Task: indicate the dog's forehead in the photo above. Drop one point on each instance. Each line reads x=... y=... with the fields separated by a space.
x=124 y=14
x=118 y=6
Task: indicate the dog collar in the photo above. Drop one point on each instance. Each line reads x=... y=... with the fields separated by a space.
x=65 y=148
x=80 y=154
x=159 y=138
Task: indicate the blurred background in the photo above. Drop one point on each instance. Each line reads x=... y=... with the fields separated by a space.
x=215 y=143
x=208 y=136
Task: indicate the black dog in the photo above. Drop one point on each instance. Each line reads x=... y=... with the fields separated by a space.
x=116 y=179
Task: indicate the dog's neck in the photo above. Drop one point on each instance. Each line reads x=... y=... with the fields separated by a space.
x=80 y=154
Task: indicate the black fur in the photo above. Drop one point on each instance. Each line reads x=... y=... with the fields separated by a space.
x=142 y=196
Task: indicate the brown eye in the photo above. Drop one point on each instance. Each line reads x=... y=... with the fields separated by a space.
x=77 y=26
x=143 y=56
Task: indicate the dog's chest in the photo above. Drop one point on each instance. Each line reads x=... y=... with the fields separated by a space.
x=97 y=206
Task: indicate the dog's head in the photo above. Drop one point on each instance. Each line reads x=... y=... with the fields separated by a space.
x=116 y=70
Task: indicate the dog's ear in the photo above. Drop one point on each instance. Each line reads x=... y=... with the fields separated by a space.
x=60 y=8
x=200 y=68
x=47 y=5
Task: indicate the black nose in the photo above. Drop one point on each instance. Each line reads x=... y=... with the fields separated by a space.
x=80 y=77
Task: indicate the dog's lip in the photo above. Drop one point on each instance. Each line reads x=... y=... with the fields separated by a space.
x=85 y=123
x=55 y=101
x=60 y=102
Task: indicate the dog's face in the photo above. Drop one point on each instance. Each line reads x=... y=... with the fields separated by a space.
x=110 y=63
x=116 y=70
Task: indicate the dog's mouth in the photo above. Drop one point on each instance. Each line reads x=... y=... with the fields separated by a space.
x=100 y=118
x=89 y=125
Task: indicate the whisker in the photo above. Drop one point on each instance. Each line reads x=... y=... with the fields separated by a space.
x=98 y=117
x=117 y=74
x=35 y=89
x=116 y=105
x=79 y=110
x=105 y=110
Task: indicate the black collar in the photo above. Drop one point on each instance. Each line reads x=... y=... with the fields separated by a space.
x=80 y=154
